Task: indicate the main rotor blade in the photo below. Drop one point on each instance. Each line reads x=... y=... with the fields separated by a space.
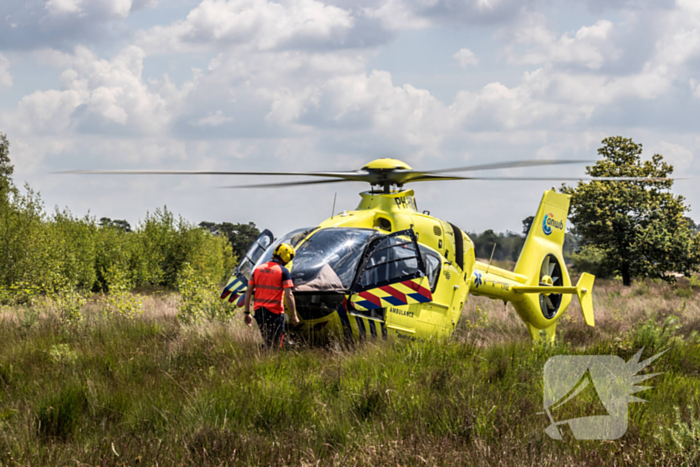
x=509 y=165
x=283 y=185
x=212 y=172
x=583 y=179
x=421 y=177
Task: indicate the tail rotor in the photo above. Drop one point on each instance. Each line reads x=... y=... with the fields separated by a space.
x=550 y=275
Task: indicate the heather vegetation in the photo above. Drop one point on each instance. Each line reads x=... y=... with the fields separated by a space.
x=152 y=391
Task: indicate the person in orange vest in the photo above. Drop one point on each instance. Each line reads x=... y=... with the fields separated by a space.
x=271 y=282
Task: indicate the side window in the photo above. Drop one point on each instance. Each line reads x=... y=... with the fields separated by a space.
x=391 y=258
x=432 y=266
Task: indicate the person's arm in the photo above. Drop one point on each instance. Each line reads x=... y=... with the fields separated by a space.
x=246 y=310
x=289 y=298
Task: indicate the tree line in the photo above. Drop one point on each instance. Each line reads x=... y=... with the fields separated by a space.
x=42 y=251
x=634 y=229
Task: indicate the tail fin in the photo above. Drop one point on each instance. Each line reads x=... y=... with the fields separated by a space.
x=546 y=236
x=547 y=292
x=584 y=290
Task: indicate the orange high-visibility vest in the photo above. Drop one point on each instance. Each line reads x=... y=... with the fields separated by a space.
x=268 y=282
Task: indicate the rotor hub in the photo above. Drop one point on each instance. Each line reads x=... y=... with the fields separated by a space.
x=546 y=280
x=386 y=164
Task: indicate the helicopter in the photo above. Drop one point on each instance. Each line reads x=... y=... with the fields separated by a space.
x=385 y=270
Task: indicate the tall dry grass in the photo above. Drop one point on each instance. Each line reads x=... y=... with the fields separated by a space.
x=151 y=391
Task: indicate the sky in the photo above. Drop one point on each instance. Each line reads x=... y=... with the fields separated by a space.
x=309 y=85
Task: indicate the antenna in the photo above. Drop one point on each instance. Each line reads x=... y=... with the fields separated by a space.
x=334 y=197
x=491 y=258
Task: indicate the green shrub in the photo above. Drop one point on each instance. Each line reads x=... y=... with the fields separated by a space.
x=684 y=436
x=684 y=293
x=120 y=301
x=69 y=304
x=199 y=298
x=656 y=337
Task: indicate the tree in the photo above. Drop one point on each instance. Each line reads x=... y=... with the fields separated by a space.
x=6 y=168
x=527 y=223
x=121 y=224
x=639 y=226
x=241 y=236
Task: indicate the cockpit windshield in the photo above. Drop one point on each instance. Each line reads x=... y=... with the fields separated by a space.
x=292 y=238
x=328 y=260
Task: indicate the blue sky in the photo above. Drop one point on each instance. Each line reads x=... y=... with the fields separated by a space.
x=313 y=85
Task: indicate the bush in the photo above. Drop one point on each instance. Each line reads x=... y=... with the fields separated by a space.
x=120 y=302
x=68 y=301
x=199 y=298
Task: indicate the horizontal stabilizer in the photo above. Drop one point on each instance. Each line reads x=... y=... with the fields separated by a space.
x=583 y=290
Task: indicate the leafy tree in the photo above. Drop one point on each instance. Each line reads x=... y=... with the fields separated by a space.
x=241 y=236
x=527 y=224
x=692 y=225
x=6 y=168
x=639 y=227
x=117 y=224
x=508 y=245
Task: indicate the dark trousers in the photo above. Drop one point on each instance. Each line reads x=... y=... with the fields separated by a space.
x=271 y=327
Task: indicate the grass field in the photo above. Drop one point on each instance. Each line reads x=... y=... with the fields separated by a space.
x=150 y=391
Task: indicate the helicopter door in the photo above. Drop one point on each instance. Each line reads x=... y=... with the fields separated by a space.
x=392 y=275
x=238 y=283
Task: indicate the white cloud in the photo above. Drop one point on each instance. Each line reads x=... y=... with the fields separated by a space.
x=47 y=111
x=407 y=14
x=259 y=24
x=675 y=154
x=213 y=119
x=397 y=14
x=5 y=76
x=58 y=7
x=97 y=9
x=404 y=115
x=590 y=46
x=103 y=95
x=695 y=87
x=63 y=24
x=465 y=57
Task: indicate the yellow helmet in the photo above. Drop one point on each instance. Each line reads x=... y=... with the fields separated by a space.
x=285 y=252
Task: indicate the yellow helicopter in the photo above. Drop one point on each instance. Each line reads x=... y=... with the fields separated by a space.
x=387 y=270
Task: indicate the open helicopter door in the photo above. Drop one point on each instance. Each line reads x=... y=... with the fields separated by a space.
x=238 y=283
x=392 y=275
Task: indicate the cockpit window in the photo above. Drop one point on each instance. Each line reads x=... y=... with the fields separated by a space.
x=254 y=253
x=293 y=238
x=432 y=266
x=328 y=260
